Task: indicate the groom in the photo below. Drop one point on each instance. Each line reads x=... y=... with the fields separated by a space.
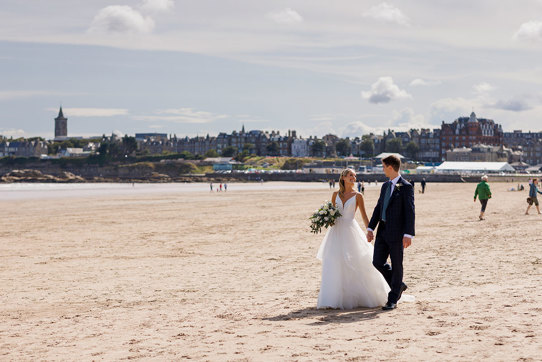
x=394 y=215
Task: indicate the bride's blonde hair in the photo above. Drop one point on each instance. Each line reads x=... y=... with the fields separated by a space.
x=345 y=173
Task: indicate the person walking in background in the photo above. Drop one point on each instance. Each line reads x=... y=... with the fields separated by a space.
x=221 y=187
x=359 y=187
x=362 y=188
x=484 y=193
x=423 y=185
x=330 y=184
x=533 y=196
x=211 y=186
x=225 y=187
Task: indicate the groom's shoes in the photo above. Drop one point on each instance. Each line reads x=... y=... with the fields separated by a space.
x=403 y=288
x=389 y=306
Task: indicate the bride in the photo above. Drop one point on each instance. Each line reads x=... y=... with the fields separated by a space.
x=349 y=279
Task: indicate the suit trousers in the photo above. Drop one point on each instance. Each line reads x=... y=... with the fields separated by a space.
x=392 y=273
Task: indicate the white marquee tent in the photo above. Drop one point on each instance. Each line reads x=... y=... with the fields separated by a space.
x=474 y=167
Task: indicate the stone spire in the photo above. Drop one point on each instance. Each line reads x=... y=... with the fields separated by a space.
x=61 y=125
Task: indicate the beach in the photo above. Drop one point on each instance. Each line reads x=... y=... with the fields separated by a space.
x=177 y=272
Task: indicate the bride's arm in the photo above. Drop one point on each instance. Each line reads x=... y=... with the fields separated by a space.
x=334 y=198
x=361 y=205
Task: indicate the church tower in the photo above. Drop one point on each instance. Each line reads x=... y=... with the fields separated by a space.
x=61 y=125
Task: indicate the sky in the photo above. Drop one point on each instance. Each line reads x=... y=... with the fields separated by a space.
x=347 y=67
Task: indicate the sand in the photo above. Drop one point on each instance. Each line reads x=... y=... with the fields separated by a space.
x=233 y=276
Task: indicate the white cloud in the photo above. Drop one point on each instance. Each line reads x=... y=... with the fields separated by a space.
x=286 y=16
x=359 y=128
x=418 y=82
x=12 y=132
x=91 y=112
x=384 y=90
x=514 y=105
x=182 y=115
x=387 y=13
x=531 y=30
x=482 y=88
x=407 y=119
x=121 y=19
x=157 y=5
x=448 y=109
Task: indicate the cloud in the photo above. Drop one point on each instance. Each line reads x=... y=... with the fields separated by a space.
x=387 y=13
x=418 y=82
x=358 y=128
x=482 y=88
x=531 y=30
x=448 y=109
x=182 y=115
x=286 y=16
x=12 y=132
x=121 y=19
x=384 y=91
x=91 y=112
x=514 y=105
x=157 y=5
x=407 y=119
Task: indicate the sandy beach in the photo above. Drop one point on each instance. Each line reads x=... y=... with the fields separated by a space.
x=189 y=274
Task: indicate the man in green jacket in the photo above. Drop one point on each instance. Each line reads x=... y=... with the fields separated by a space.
x=484 y=193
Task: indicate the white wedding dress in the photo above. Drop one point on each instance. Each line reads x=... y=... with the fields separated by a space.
x=349 y=279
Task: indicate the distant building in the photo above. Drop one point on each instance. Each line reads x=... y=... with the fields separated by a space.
x=61 y=126
x=23 y=148
x=528 y=142
x=151 y=136
x=469 y=131
x=300 y=148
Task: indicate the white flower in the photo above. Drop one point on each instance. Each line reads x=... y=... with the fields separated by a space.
x=321 y=212
x=326 y=218
x=332 y=212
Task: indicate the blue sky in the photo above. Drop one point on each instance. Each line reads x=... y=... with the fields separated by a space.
x=348 y=67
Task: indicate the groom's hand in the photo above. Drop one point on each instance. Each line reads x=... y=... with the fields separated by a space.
x=406 y=242
x=370 y=236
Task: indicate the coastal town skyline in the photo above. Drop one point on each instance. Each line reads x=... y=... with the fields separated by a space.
x=61 y=112
x=348 y=69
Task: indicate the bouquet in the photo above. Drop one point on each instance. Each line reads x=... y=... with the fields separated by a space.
x=325 y=216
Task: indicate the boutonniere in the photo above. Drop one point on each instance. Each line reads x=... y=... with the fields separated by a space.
x=398 y=186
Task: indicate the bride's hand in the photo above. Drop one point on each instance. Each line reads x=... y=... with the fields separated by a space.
x=370 y=236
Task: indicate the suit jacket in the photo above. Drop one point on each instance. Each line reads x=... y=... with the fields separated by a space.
x=400 y=213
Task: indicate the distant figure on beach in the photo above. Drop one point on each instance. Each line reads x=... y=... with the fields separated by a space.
x=359 y=187
x=349 y=279
x=484 y=194
x=330 y=184
x=423 y=185
x=221 y=187
x=533 y=196
x=211 y=186
x=333 y=183
x=225 y=187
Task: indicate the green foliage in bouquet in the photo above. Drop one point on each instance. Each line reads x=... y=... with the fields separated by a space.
x=325 y=216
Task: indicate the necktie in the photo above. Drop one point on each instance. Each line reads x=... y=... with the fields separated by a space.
x=387 y=196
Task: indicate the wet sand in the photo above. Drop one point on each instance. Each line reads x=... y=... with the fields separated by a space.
x=233 y=276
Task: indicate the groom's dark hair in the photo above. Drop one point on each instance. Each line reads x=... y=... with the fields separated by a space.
x=392 y=161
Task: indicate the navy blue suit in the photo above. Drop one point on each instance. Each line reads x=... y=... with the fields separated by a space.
x=389 y=236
